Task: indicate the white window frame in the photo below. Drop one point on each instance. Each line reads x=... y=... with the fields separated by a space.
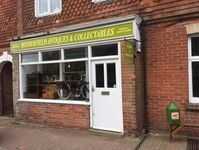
x=87 y=59
x=99 y=1
x=37 y=14
x=192 y=100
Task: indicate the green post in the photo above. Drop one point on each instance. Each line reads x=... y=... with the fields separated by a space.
x=173 y=117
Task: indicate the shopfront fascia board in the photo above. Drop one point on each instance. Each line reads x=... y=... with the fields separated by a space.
x=124 y=30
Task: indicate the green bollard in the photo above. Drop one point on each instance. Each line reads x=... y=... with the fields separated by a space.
x=173 y=118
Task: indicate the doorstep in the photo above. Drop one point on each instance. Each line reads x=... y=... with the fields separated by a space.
x=105 y=132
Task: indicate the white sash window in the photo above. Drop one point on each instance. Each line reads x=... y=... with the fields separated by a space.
x=47 y=7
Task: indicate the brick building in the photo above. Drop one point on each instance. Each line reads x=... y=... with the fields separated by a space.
x=76 y=64
x=90 y=64
x=171 y=43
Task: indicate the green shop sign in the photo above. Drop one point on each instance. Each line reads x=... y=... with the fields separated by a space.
x=88 y=35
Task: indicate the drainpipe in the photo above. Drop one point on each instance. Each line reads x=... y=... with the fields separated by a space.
x=19 y=18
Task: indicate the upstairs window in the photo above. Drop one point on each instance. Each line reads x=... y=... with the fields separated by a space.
x=47 y=7
x=99 y=1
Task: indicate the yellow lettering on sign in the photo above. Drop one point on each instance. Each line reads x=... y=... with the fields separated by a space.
x=88 y=35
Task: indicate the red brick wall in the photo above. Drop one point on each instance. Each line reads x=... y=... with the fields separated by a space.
x=58 y=115
x=74 y=12
x=7 y=23
x=128 y=91
x=84 y=10
x=166 y=52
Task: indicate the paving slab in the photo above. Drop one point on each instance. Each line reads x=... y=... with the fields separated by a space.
x=26 y=137
x=162 y=142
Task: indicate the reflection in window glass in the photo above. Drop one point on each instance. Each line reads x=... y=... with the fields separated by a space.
x=99 y=71
x=44 y=81
x=195 y=78
x=195 y=46
x=30 y=57
x=74 y=53
x=48 y=7
x=76 y=81
x=51 y=55
x=43 y=6
x=111 y=75
x=39 y=81
x=55 y=5
x=104 y=50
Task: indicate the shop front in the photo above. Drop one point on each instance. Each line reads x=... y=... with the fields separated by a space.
x=75 y=78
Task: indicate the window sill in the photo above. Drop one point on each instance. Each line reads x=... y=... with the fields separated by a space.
x=48 y=14
x=55 y=101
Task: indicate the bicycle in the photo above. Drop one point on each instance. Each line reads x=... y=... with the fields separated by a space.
x=73 y=89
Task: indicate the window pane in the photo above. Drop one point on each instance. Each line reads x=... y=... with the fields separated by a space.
x=39 y=81
x=75 y=53
x=99 y=71
x=195 y=46
x=195 y=78
x=31 y=57
x=55 y=5
x=76 y=81
x=51 y=55
x=111 y=75
x=104 y=50
x=43 y=6
x=30 y=82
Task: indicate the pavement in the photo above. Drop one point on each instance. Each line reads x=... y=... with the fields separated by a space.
x=162 y=142
x=14 y=136
x=23 y=136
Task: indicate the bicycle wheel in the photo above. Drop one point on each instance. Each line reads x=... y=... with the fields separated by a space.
x=64 y=91
x=84 y=91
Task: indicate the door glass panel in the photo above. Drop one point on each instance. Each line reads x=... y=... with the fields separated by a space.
x=99 y=71
x=111 y=75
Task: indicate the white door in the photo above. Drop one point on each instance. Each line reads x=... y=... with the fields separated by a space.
x=106 y=96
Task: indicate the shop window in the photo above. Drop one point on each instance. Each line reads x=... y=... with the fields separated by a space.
x=51 y=55
x=105 y=50
x=47 y=7
x=63 y=74
x=39 y=81
x=194 y=69
x=76 y=81
x=55 y=81
x=32 y=57
x=75 y=53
